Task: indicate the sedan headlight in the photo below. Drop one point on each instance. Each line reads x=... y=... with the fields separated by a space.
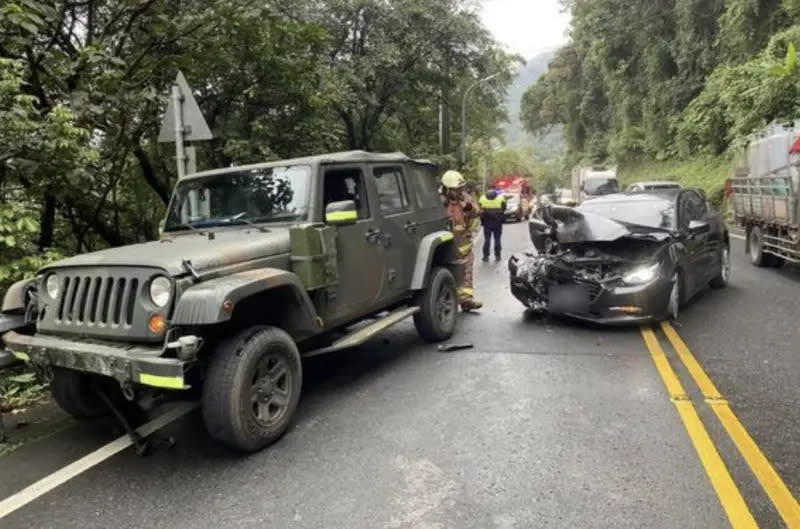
x=641 y=275
x=160 y=291
x=52 y=286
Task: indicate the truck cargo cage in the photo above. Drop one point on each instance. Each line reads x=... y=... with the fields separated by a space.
x=770 y=201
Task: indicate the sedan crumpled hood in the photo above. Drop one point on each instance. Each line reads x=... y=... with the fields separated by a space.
x=573 y=226
x=227 y=247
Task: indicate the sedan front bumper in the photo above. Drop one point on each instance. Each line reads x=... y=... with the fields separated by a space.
x=124 y=362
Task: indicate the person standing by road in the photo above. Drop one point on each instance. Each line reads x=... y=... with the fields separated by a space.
x=464 y=215
x=493 y=208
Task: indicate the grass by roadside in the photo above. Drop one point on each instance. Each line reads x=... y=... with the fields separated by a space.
x=19 y=388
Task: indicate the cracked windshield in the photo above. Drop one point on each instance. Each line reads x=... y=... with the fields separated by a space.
x=400 y=264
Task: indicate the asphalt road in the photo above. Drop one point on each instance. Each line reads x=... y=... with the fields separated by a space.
x=542 y=424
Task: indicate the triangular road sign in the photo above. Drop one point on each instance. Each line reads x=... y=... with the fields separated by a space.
x=195 y=127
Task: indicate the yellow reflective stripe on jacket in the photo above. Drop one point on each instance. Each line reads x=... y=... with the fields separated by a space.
x=464 y=249
x=491 y=204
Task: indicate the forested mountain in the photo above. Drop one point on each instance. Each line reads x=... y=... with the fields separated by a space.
x=669 y=79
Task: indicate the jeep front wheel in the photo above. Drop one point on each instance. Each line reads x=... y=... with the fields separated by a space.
x=438 y=304
x=252 y=388
x=74 y=393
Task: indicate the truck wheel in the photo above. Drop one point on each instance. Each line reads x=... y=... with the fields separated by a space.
x=756 y=245
x=436 y=319
x=73 y=392
x=724 y=274
x=777 y=262
x=252 y=388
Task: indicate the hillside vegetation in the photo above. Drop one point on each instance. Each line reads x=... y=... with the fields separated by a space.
x=683 y=81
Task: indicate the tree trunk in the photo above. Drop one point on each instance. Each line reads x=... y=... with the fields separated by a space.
x=149 y=174
x=47 y=220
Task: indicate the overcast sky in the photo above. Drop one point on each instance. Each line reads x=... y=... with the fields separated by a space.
x=527 y=27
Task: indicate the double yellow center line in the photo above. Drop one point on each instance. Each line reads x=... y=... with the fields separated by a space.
x=729 y=495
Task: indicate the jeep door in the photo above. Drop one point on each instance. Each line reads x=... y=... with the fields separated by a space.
x=399 y=231
x=358 y=253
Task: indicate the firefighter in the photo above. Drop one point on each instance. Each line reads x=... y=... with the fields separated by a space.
x=493 y=214
x=464 y=216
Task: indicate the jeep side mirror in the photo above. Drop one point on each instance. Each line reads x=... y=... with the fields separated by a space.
x=698 y=227
x=341 y=213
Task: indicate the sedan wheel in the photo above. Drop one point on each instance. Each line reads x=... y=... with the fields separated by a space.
x=724 y=275
x=674 y=305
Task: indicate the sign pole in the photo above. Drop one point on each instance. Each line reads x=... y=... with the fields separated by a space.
x=180 y=155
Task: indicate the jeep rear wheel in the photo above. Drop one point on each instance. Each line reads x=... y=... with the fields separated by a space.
x=252 y=389
x=74 y=393
x=436 y=319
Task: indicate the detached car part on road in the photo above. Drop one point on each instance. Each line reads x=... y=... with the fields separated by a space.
x=622 y=258
x=258 y=266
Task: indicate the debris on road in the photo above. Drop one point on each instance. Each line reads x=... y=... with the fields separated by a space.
x=448 y=348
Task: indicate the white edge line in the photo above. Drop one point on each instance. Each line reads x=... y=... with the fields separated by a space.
x=59 y=477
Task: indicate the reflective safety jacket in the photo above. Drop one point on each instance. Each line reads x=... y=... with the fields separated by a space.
x=464 y=220
x=493 y=207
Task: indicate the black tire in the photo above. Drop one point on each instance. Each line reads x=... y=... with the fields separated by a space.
x=777 y=262
x=724 y=274
x=436 y=319
x=73 y=392
x=250 y=377
x=755 y=244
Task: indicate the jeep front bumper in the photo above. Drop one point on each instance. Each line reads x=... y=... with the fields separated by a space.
x=126 y=363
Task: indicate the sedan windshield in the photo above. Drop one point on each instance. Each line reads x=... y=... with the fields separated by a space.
x=650 y=213
x=273 y=194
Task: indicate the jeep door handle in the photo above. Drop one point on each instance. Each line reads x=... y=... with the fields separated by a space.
x=411 y=227
x=373 y=235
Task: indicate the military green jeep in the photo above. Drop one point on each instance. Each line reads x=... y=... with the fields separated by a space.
x=257 y=267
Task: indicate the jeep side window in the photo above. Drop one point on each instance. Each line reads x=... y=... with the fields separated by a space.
x=346 y=184
x=427 y=186
x=391 y=188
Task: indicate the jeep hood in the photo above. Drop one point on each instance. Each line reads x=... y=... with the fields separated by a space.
x=227 y=247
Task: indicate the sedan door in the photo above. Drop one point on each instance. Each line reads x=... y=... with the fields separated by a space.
x=699 y=259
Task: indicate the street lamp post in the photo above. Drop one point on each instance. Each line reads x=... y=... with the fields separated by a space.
x=464 y=115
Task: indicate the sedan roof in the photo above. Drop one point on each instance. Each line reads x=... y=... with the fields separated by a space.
x=639 y=196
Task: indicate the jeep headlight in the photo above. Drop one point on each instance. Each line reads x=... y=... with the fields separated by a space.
x=641 y=275
x=52 y=286
x=160 y=291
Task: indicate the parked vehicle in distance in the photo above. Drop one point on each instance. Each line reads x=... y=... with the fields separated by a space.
x=593 y=181
x=766 y=199
x=565 y=197
x=623 y=258
x=653 y=186
x=258 y=265
x=517 y=207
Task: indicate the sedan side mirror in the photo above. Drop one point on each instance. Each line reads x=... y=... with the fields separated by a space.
x=699 y=227
x=341 y=213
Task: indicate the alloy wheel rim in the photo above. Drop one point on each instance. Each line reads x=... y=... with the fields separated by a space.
x=674 y=297
x=270 y=390
x=726 y=265
x=445 y=305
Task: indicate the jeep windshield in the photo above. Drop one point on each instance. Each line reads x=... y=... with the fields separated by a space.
x=271 y=194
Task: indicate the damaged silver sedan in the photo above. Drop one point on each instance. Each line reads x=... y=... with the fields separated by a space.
x=622 y=258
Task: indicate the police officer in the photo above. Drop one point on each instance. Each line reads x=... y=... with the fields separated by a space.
x=464 y=216
x=493 y=207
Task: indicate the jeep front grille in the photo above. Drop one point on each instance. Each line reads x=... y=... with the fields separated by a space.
x=99 y=300
x=103 y=302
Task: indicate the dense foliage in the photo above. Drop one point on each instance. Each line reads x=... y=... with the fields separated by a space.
x=667 y=79
x=83 y=85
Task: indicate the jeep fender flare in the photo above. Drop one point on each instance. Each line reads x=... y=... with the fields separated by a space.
x=214 y=301
x=14 y=298
x=425 y=253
